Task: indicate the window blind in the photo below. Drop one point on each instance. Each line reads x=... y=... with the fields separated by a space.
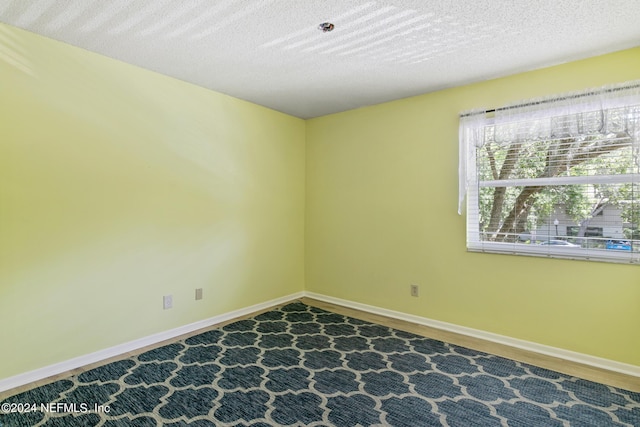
x=553 y=179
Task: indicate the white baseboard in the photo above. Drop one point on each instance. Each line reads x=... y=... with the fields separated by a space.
x=585 y=359
x=78 y=362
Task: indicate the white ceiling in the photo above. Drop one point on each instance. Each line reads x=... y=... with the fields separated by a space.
x=271 y=52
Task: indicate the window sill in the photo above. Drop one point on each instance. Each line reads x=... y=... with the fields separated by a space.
x=520 y=249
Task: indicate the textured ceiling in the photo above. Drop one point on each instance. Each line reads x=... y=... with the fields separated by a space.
x=271 y=52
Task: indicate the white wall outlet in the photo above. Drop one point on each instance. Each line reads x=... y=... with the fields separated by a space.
x=199 y=293
x=415 y=290
x=167 y=302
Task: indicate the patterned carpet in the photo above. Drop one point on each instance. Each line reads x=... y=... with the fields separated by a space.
x=300 y=365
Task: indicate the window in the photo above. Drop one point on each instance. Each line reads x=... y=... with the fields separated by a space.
x=575 y=230
x=556 y=176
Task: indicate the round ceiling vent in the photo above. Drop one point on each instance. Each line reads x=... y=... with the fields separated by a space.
x=326 y=27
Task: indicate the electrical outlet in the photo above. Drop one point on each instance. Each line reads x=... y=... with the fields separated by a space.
x=167 y=302
x=199 y=293
x=415 y=290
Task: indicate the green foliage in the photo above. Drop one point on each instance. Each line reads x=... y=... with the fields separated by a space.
x=527 y=207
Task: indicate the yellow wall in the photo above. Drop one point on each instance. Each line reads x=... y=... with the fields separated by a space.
x=381 y=214
x=118 y=186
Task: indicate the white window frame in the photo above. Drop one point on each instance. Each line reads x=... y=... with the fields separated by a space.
x=474 y=130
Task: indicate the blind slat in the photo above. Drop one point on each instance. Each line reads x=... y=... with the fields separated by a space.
x=563 y=180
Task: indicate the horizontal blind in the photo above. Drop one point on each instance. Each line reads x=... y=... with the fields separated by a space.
x=564 y=185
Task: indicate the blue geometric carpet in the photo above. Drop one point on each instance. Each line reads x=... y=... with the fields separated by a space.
x=300 y=365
